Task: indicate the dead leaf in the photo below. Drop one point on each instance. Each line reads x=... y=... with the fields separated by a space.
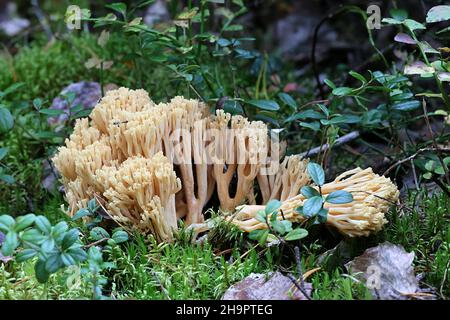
x=103 y=38
x=257 y=287
x=418 y=67
x=92 y=62
x=387 y=271
x=107 y=64
x=404 y=38
x=134 y=22
x=444 y=76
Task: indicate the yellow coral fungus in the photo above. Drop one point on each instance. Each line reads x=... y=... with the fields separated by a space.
x=237 y=152
x=372 y=195
x=140 y=193
x=288 y=180
x=132 y=150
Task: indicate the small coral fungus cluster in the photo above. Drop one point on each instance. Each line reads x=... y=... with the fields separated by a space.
x=372 y=196
x=153 y=164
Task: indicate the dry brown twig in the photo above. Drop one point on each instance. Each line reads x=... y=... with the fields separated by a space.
x=418 y=152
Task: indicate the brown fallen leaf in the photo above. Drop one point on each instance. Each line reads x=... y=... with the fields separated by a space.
x=387 y=272
x=257 y=287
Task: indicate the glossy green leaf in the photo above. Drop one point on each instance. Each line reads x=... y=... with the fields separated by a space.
x=288 y=100
x=6 y=120
x=24 y=222
x=233 y=107
x=272 y=206
x=312 y=206
x=9 y=179
x=99 y=233
x=316 y=173
x=53 y=263
x=3 y=152
x=10 y=243
x=78 y=254
x=6 y=223
x=83 y=212
x=269 y=105
x=342 y=91
x=407 y=105
x=438 y=14
x=330 y=83
x=413 y=25
x=322 y=215
x=48 y=245
x=398 y=14
x=43 y=224
x=52 y=112
x=296 y=234
x=25 y=255
x=59 y=230
x=42 y=274
x=315 y=125
x=67 y=259
x=339 y=197
x=309 y=192
x=33 y=236
x=120 y=236
x=261 y=216
x=70 y=238
x=259 y=235
x=358 y=76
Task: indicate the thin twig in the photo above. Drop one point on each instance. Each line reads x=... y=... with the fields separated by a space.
x=299 y=266
x=299 y=287
x=95 y=243
x=400 y=208
x=342 y=140
x=444 y=278
x=314 y=45
x=413 y=167
x=41 y=18
x=324 y=101
x=413 y=156
x=164 y=290
x=441 y=185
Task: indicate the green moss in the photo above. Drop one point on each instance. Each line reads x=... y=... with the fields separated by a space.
x=47 y=68
x=179 y=270
x=425 y=230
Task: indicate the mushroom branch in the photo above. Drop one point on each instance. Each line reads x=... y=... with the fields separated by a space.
x=287 y=181
x=243 y=152
x=141 y=193
x=372 y=197
x=123 y=155
x=237 y=152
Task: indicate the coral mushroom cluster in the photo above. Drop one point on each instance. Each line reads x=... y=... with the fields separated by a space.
x=152 y=164
x=155 y=163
